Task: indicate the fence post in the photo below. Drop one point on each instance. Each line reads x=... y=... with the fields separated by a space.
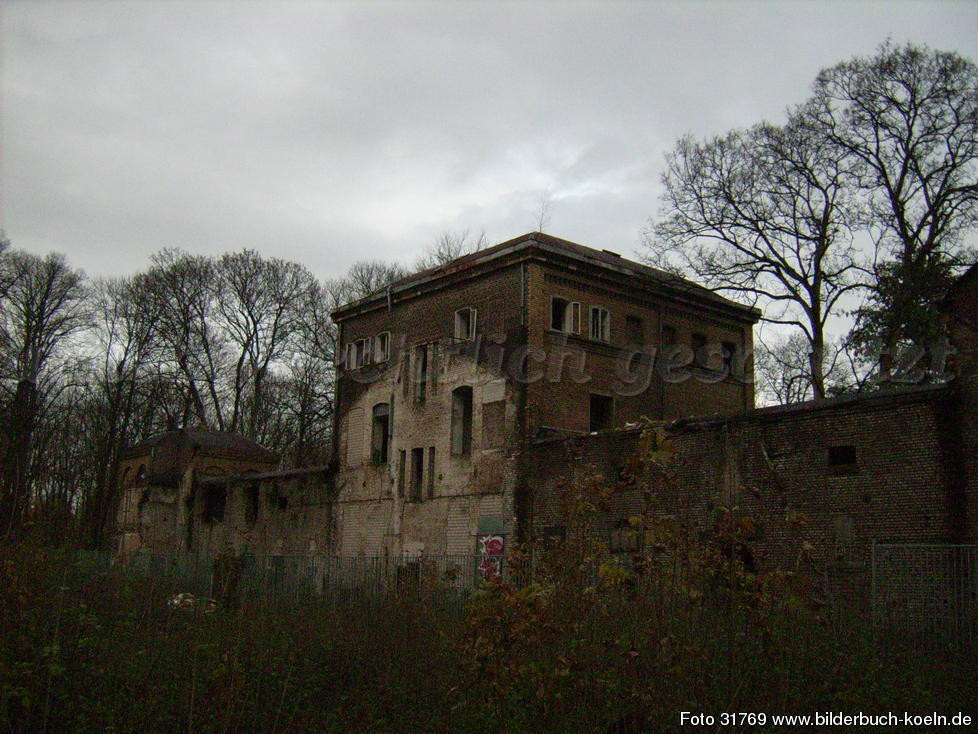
x=872 y=595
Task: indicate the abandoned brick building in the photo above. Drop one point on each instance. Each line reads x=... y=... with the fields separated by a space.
x=469 y=394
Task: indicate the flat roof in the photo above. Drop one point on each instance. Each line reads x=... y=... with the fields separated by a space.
x=539 y=241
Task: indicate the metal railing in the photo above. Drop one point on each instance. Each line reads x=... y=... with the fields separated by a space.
x=926 y=593
x=297 y=576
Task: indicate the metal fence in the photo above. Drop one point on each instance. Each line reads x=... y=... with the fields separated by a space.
x=335 y=577
x=926 y=593
x=919 y=594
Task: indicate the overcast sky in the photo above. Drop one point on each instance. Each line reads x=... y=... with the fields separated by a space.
x=328 y=132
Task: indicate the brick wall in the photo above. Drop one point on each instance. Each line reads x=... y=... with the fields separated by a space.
x=774 y=465
x=560 y=396
x=376 y=511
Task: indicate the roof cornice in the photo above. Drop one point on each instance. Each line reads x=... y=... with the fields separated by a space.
x=526 y=247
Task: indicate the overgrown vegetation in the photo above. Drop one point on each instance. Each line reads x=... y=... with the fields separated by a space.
x=581 y=643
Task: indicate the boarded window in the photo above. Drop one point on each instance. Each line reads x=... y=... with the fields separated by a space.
x=493 y=424
x=602 y=412
x=420 y=372
x=600 y=324
x=380 y=433
x=417 y=472
x=461 y=420
x=465 y=324
x=842 y=460
x=354 y=437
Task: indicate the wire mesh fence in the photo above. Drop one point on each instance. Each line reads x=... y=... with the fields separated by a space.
x=333 y=578
x=918 y=594
x=926 y=594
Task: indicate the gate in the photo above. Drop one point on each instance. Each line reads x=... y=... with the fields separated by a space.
x=926 y=594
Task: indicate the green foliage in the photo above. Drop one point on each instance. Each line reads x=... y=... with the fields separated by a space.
x=906 y=302
x=684 y=623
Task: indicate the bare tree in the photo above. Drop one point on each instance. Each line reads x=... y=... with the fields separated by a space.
x=123 y=337
x=366 y=277
x=763 y=215
x=44 y=307
x=450 y=246
x=545 y=206
x=783 y=369
x=259 y=301
x=907 y=120
x=182 y=294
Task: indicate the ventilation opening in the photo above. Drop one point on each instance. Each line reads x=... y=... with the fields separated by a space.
x=842 y=460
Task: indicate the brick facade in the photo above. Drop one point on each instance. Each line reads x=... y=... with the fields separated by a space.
x=466 y=402
x=776 y=465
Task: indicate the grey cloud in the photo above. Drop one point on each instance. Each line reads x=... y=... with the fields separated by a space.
x=328 y=132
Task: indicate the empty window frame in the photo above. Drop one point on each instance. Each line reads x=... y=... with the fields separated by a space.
x=357 y=354
x=215 y=502
x=420 y=372
x=843 y=460
x=461 y=420
x=700 y=356
x=252 y=494
x=417 y=472
x=363 y=347
x=600 y=324
x=380 y=435
x=382 y=347
x=431 y=472
x=729 y=350
x=465 y=324
x=565 y=315
x=601 y=412
x=668 y=335
x=634 y=330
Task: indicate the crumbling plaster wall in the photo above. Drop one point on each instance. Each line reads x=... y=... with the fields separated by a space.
x=376 y=513
x=155 y=513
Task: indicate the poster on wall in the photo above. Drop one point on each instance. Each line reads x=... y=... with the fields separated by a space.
x=491 y=556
